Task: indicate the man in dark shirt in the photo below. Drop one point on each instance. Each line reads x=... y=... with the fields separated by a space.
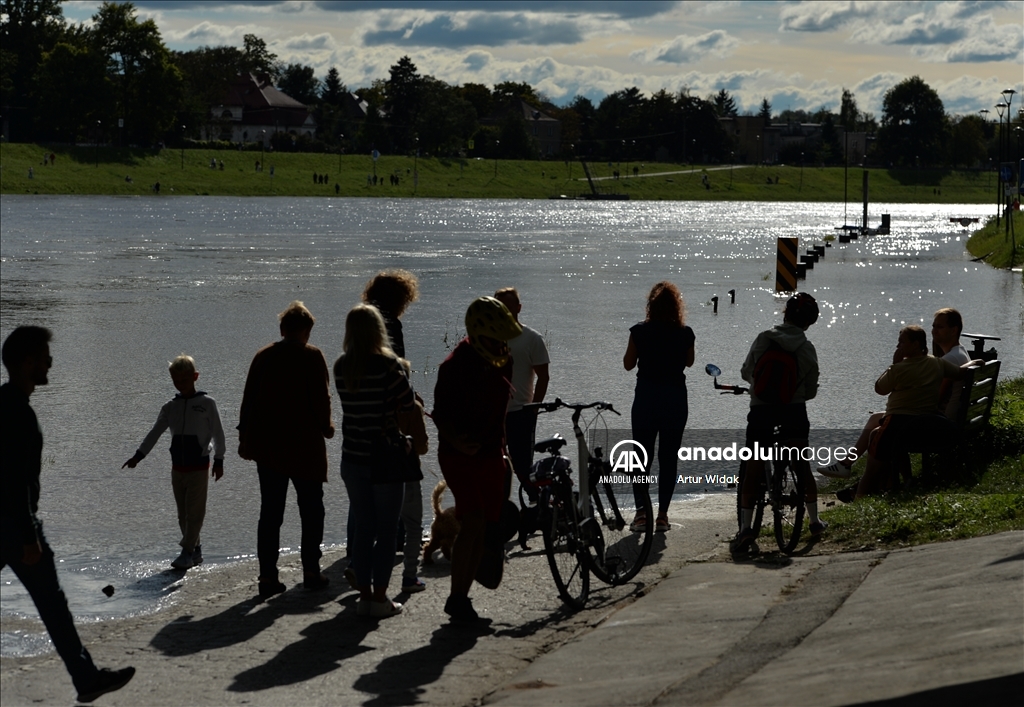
x=26 y=356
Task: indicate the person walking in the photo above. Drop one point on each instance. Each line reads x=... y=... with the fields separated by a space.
x=470 y=400
x=661 y=347
x=23 y=547
x=284 y=420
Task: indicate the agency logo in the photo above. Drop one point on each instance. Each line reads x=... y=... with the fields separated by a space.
x=629 y=460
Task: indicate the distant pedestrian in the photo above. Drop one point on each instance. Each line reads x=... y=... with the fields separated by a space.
x=26 y=356
x=316 y=178
x=53 y=159
x=195 y=431
x=284 y=420
x=337 y=189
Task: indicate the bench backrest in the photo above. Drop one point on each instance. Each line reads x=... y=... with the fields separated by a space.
x=976 y=398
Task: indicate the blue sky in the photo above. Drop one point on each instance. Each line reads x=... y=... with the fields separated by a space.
x=796 y=54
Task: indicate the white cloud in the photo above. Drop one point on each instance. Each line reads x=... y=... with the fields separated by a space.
x=307 y=42
x=687 y=49
x=823 y=16
x=214 y=34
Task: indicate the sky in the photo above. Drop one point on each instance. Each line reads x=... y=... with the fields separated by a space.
x=798 y=55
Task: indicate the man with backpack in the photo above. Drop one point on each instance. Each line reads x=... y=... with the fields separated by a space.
x=782 y=368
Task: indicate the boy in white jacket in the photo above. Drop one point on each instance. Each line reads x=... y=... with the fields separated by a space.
x=195 y=428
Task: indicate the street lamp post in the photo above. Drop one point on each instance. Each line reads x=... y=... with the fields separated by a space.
x=572 y=158
x=497 y=146
x=415 y=165
x=732 y=160
x=99 y=129
x=263 y=145
x=1000 y=109
x=1008 y=96
x=984 y=118
x=801 y=171
x=340 y=148
x=183 y=147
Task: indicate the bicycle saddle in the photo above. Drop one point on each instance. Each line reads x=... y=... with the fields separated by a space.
x=550 y=445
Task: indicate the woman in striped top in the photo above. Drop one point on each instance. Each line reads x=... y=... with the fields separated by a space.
x=372 y=382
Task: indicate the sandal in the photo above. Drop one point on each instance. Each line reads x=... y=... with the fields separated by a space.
x=639 y=524
x=662 y=525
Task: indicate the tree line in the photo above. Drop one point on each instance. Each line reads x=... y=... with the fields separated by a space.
x=114 y=81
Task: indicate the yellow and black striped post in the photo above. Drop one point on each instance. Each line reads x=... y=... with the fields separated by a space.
x=785 y=265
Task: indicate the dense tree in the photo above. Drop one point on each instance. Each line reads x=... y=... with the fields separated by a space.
x=257 y=59
x=206 y=74
x=510 y=90
x=146 y=83
x=446 y=120
x=402 y=102
x=332 y=89
x=967 y=141
x=848 y=114
x=724 y=103
x=766 y=112
x=74 y=91
x=300 y=82
x=913 y=122
x=479 y=96
x=27 y=29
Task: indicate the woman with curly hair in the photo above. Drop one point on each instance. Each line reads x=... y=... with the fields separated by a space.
x=660 y=348
x=391 y=292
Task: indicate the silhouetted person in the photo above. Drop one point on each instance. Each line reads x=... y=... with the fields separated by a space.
x=26 y=356
x=285 y=417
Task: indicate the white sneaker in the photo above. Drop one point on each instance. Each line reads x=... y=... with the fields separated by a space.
x=835 y=471
x=184 y=561
x=384 y=609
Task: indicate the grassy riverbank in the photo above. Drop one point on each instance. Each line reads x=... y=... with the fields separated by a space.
x=997 y=245
x=104 y=170
x=980 y=493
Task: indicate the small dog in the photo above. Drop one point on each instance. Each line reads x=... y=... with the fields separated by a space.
x=443 y=529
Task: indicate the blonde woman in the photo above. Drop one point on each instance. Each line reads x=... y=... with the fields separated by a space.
x=372 y=383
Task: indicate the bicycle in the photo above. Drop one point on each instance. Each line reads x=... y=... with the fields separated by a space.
x=782 y=487
x=593 y=536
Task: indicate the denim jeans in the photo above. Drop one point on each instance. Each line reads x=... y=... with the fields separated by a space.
x=273 y=494
x=41 y=582
x=374 y=510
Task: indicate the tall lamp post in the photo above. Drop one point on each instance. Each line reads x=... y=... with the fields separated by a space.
x=183 y=147
x=99 y=129
x=1000 y=109
x=263 y=145
x=1008 y=96
x=732 y=160
x=801 y=171
x=497 y=145
x=340 y=148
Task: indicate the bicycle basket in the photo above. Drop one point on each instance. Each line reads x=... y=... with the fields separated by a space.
x=544 y=471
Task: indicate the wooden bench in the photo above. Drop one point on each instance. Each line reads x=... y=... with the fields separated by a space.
x=977 y=394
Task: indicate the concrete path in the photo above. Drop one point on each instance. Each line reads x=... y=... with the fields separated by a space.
x=938 y=624
x=932 y=623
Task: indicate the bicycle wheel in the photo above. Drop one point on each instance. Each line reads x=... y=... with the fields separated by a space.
x=565 y=551
x=787 y=499
x=616 y=553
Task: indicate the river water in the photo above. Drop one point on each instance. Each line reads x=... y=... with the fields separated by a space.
x=128 y=283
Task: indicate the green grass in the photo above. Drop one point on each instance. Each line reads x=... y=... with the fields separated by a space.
x=997 y=243
x=86 y=170
x=981 y=493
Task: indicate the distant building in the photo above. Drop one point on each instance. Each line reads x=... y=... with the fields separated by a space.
x=253 y=110
x=547 y=131
x=752 y=141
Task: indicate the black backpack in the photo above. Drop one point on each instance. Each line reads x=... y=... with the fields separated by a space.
x=776 y=375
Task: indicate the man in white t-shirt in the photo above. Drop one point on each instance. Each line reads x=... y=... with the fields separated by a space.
x=530 y=383
x=946 y=328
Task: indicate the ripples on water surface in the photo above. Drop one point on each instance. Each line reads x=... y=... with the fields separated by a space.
x=126 y=284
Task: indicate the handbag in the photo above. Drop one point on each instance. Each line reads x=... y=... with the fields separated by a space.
x=392 y=457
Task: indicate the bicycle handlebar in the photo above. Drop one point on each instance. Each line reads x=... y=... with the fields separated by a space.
x=558 y=404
